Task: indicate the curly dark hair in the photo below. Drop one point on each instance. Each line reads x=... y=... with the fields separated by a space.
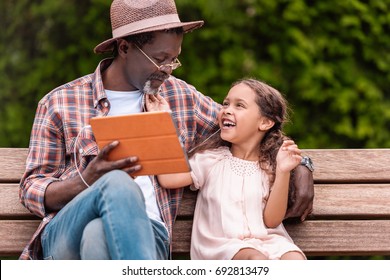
x=273 y=106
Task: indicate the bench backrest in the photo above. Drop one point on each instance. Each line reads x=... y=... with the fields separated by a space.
x=351 y=213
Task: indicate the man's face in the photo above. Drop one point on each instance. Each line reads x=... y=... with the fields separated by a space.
x=146 y=75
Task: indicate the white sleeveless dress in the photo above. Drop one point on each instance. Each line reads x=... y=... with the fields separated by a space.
x=229 y=209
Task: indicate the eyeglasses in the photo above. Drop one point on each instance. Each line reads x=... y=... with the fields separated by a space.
x=173 y=65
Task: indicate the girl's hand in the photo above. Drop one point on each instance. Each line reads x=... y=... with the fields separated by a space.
x=288 y=157
x=155 y=103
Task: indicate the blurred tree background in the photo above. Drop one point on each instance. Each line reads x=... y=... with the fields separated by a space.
x=331 y=59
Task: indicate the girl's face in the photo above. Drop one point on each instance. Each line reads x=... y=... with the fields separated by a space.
x=240 y=119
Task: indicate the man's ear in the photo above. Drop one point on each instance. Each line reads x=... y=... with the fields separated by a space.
x=123 y=47
x=265 y=124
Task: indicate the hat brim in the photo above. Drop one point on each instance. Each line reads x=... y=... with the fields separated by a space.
x=108 y=45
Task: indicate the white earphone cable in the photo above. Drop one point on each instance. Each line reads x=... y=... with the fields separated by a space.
x=75 y=157
x=200 y=144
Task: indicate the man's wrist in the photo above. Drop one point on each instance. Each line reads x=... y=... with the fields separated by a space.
x=307 y=162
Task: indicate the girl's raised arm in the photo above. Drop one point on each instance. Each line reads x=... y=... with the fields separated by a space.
x=289 y=156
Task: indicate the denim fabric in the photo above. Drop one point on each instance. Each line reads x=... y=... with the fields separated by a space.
x=106 y=221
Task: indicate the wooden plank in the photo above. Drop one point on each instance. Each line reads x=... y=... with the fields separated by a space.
x=320 y=238
x=340 y=201
x=360 y=201
x=14 y=236
x=356 y=201
x=351 y=165
x=332 y=165
x=12 y=164
x=362 y=237
x=10 y=206
x=316 y=238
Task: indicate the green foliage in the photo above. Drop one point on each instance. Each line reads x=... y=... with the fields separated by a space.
x=43 y=45
x=331 y=59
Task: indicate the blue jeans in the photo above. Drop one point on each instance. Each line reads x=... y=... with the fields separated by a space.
x=106 y=221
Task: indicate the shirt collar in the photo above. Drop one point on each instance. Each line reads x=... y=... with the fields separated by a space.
x=98 y=91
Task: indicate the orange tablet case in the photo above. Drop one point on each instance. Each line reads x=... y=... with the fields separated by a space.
x=151 y=136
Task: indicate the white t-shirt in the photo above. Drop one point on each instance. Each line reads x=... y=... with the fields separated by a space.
x=130 y=102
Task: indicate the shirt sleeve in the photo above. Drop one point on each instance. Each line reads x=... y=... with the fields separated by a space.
x=44 y=161
x=195 y=114
x=206 y=112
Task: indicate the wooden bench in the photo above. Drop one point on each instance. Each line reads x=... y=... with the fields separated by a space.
x=351 y=213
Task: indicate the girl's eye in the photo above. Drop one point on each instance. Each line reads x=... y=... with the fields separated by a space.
x=240 y=105
x=225 y=104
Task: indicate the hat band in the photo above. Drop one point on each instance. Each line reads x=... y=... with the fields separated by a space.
x=146 y=23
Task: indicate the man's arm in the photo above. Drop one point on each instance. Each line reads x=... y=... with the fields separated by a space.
x=59 y=193
x=301 y=200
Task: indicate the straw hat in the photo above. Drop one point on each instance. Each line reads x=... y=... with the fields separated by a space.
x=130 y=17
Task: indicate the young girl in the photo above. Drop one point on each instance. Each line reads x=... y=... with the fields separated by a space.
x=242 y=175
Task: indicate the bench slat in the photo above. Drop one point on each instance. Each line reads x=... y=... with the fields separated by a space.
x=14 y=236
x=351 y=165
x=362 y=237
x=10 y=207
x=340 y=201
x=12 y=165
x=332 y=201
x=320 y=238
x=352 y=201
x=332 y=165
x=314 y=237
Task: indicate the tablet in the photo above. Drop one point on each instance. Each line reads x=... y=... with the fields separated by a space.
x=151 y=136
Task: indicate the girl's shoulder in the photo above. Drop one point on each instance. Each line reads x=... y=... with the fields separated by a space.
x=212 y=155
x=219 y=152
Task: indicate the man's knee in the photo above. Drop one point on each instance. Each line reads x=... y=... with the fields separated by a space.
x=118 y=182
x=116 y=177
x=93 y=242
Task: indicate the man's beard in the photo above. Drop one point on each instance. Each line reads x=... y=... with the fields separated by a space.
x=148 y=84
x=148 y=89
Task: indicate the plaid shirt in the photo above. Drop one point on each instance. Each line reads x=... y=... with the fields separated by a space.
x=63 y=112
